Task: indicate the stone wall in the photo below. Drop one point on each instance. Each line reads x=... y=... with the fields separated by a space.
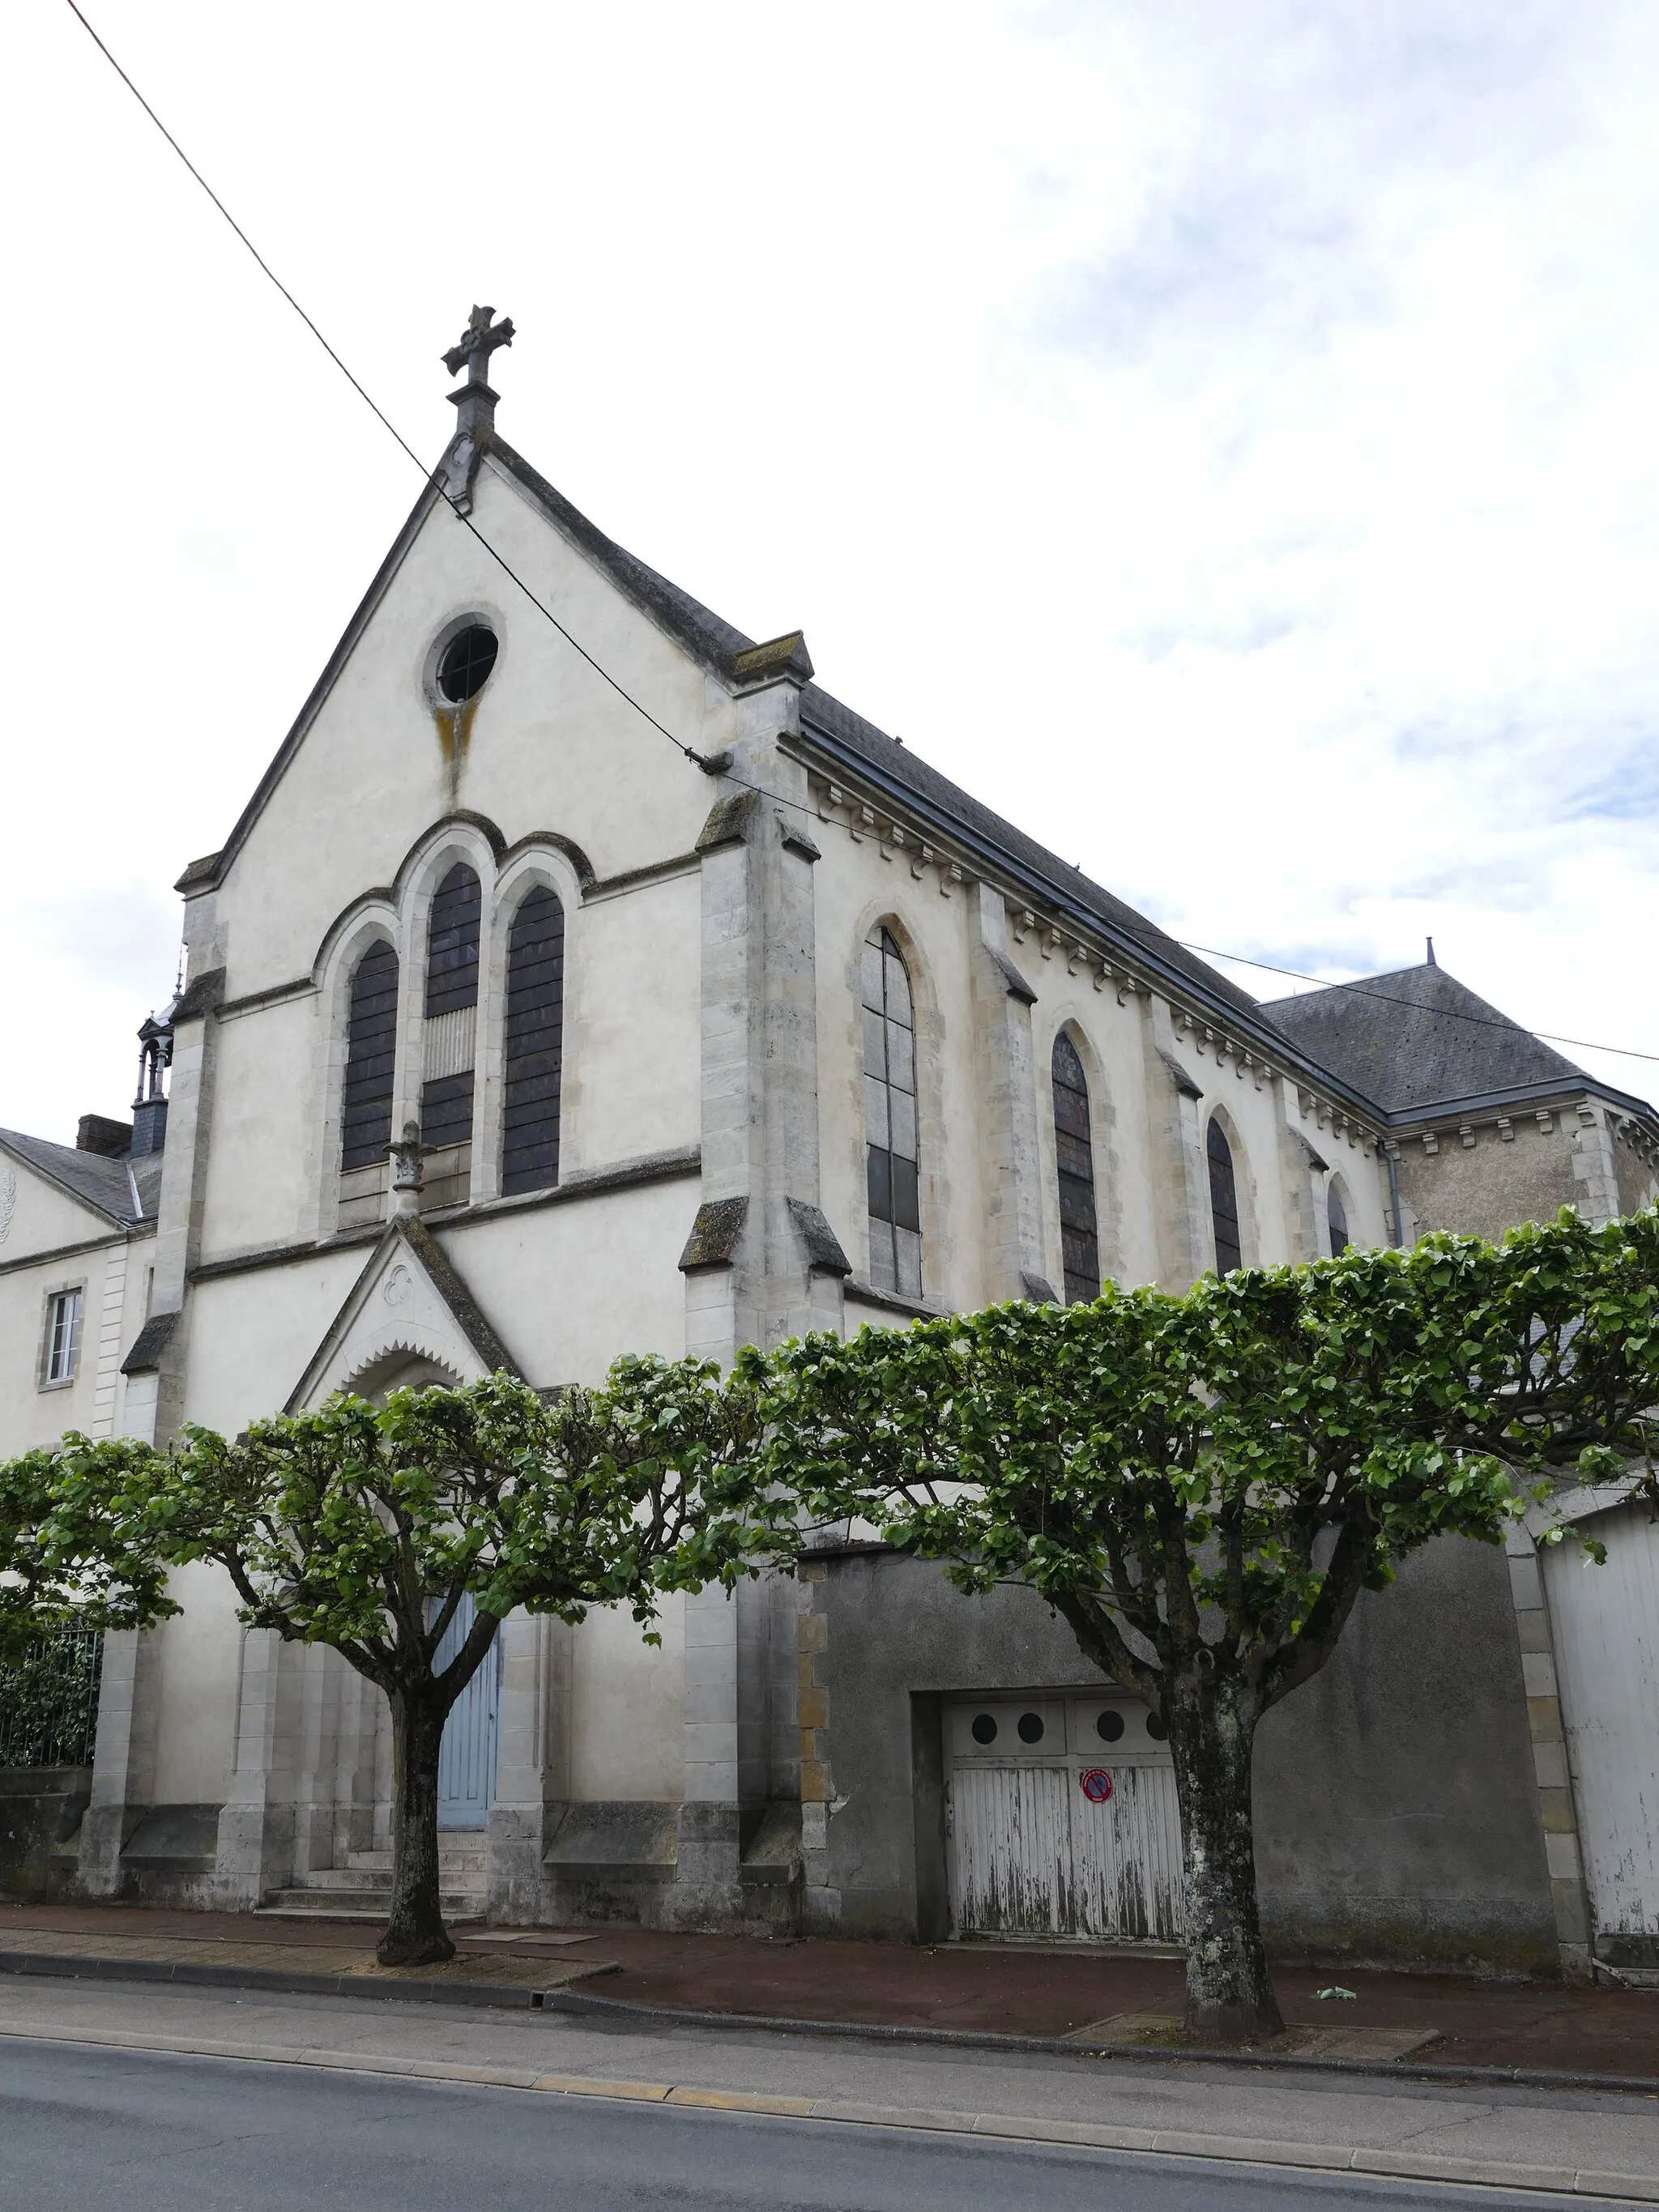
x=41 y=1809
x=1396 y=1811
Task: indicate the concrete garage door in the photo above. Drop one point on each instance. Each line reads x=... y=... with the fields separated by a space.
x=1062 y=1819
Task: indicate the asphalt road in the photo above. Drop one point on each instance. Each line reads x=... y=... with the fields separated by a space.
x=154 y=2132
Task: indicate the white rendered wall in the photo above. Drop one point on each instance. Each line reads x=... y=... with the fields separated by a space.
x=627 y=1707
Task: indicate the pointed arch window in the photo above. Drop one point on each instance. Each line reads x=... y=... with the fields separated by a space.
x=890 y=1118
x=1074 y=1159
x=534 y=1043
x=450 y=1030
x=371 y=1055
x=1336 y=1219
x=1224 y=1199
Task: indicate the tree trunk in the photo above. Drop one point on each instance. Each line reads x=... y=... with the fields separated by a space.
x=1212 y=1724
x=415 y=1936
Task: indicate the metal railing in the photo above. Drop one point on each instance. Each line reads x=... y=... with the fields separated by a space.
x=49 y=1701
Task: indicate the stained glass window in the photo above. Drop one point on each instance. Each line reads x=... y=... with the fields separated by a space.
x=890 y=1118
x=534 y=1043
x=1074 y=1157
x=371 y=1054
x=1224 y=1200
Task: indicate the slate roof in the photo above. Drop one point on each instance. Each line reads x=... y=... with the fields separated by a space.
x=1419 y=1038
x=99 y=1182
x=861 y=744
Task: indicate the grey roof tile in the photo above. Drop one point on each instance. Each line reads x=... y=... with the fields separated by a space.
x=1417 y=1038
x=96 y=1180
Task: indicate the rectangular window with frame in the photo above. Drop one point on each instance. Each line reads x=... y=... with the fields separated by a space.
x=62 y=1349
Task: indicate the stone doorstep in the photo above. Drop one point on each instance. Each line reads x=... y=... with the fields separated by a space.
x=1250 y=2150
x=352 y=1905
x=1156 y=2029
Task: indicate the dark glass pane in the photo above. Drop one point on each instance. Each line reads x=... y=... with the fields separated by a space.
x=371 y=1057
x=466 y=663
x=1339 y=1222
x=985 y=1729
x=532 y=1046
x=1030 y=1728
x=1156 y=1729
x=1224 y=1200
x=446 y=1110
x=907 y=1195
x=452 y=943
x=1109 y=1727
x=880 y=1173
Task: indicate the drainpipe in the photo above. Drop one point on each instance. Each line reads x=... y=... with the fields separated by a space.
x=1395 y=1223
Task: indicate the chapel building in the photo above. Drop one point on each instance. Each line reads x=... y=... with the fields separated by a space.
x=592 y=981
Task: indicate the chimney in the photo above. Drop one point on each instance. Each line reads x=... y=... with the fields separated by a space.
x=97 y=1132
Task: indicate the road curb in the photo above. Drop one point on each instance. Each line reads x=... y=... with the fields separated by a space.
x=1390 y=2069
x=1069 y=2134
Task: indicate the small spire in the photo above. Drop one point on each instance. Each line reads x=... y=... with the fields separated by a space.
x=1433 y=962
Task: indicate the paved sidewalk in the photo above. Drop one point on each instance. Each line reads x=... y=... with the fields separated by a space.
x=1586 y=2144
x=976 y=1988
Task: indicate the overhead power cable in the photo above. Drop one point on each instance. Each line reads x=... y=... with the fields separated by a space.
x=1390 y=999
x=690 y=752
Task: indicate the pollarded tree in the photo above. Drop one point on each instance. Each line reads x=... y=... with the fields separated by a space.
x=364 y=1527
x=1202 y=1486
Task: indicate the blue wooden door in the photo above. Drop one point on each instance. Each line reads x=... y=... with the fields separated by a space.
x=466 y=1761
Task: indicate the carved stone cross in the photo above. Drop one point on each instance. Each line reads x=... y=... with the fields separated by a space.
x=479 y=341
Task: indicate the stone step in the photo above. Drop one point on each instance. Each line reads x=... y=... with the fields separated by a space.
x=467 y=1857
x=362 y=1905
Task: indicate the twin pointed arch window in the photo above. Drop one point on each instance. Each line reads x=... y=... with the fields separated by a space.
x=532 y=988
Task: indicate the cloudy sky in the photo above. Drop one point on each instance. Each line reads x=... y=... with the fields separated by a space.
x=1221 y=434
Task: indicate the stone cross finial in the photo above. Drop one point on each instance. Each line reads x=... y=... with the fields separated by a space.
x=479 y=341
x=475 y=402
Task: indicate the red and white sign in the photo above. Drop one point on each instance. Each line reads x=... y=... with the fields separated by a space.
x=1096 y=1785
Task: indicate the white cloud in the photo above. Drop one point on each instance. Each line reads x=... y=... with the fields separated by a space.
x=1250 y=408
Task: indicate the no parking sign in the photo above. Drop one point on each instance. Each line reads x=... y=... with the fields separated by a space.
x=1096 y=1785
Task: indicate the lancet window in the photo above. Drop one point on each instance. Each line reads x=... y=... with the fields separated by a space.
x=1075 y=1159
x=1337 y=1221
x=533 y=1043
x=371 y=1052
x=450 y=1030
x=890 y=1118
x=1224 y=1199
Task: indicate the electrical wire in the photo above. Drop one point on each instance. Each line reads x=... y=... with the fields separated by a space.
x=711 y=766
x=1440 y=1013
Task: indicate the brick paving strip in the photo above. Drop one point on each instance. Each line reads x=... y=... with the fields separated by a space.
x=515 y=1979
x=1250 y=2150
x=1024 y=1997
